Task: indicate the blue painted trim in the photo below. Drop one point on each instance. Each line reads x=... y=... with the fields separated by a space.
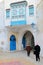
x=31 y=10
x=23 y=22
x=12 y=43
x=7 y=13
x=24 y=42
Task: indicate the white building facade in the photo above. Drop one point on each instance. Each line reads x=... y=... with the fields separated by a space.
x=20 y=25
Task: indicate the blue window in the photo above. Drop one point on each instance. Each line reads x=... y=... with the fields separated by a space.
x=18 y=11
x=22 y=11
x=7 y=13
x=31 y=10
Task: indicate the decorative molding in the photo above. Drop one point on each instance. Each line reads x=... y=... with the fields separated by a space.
x=18 y=3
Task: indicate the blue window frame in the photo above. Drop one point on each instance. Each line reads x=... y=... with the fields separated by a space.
x=31 y=10
x=22 y=11
x=7 y=13
x=13 y=12
x=18 y=11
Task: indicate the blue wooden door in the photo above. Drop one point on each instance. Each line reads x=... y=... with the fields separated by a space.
x=12 y=43
x=24 y=42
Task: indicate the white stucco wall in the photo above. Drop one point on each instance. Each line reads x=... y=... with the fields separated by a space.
x=40 y=16
x=40 y=41
x=40 y=25
x=2 y=26
x=1 y=15
x=3 y=40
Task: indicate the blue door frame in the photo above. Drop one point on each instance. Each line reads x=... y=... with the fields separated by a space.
x=24 y=42
x=12 y=43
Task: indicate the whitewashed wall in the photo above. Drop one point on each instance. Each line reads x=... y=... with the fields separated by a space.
x=3 y=40
x=2 y=15
x=2 y=28
x=40 y=25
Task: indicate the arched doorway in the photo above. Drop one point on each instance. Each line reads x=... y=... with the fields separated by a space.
x=28 y=39
x=12 y=43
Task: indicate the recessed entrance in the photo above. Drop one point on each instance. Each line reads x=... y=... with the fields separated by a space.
x=12 y=43
x=28 y=39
